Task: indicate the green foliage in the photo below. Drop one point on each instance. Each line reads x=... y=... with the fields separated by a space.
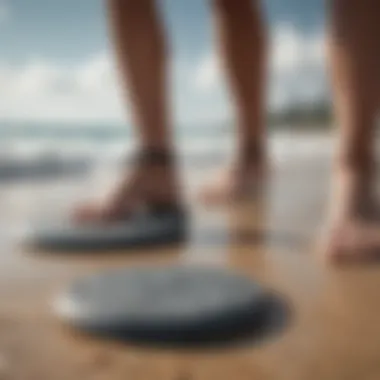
x=306 y=116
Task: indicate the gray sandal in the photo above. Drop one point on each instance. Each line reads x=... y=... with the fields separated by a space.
x=156 y=224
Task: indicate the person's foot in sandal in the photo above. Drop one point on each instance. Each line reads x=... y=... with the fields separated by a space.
x=144 y=210
x=152 y=186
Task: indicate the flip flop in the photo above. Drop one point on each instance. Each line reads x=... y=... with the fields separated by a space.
x=163 y=304
x=139 y=230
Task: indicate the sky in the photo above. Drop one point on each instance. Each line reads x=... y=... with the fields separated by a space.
x=57 y=65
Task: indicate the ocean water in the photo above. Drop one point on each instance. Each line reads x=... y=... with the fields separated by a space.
x=34 y=157
x=104 y=144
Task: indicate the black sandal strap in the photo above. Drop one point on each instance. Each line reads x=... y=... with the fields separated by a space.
x=158 y=157
x=154 y=157
x=165 y=208
x=251 y=153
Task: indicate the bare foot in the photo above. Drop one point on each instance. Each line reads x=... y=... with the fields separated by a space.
x=152 y=183
x=353 y=241
x=244 y=180
x=354 y=232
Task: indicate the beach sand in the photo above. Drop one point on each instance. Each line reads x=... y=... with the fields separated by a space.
x=332 y=332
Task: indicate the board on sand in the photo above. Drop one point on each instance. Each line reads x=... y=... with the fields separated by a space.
x=172 y=304
x=140 y=230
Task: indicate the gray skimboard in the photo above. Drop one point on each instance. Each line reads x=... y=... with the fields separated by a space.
x=163 y=304
x=138 y=231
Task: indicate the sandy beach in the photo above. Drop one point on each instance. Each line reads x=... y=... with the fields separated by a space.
x=332 y=332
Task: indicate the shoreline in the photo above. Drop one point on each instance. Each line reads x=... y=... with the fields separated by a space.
x=332 y=310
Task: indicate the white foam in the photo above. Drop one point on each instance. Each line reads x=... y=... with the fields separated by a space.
x=282 y=146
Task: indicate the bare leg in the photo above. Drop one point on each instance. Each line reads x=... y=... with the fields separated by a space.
x=241 y=35
x=140 y=46
x=355 y=61
x=139 y=40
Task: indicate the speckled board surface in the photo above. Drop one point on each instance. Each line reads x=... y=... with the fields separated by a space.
x=161 y=303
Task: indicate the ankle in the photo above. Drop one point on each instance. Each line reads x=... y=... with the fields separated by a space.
x=154 y=157
x=356 y=170
x=252 y=153
x=356 y=161
x=353 y=191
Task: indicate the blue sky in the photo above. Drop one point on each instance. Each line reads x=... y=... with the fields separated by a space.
x=56 y=63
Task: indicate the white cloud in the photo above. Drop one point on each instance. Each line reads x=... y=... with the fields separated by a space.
x=298 y=72
x=194 y=96
x=45 y=91
x=208 y=72
x=297 y=68
x=42 y=90
x=97 y=74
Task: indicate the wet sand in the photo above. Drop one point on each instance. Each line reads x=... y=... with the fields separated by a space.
x=333 y=331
